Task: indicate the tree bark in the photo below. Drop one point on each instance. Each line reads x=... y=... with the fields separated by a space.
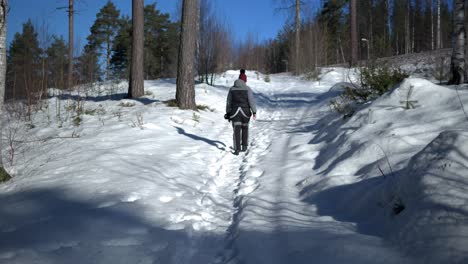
x=432 y=23
x=4 y=176
x=458 y=54
x=185 y=92
x=136 y=82
x=407 y=28
x=70 y=44
x=371 y=30
x=298 y=36
x=439 y=34
x=108 y=56
x=354 y=40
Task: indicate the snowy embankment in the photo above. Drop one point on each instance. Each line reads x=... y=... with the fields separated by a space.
x=136 y=181
x=405 y=169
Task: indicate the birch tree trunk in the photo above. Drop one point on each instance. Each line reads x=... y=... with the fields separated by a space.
x=136 y=84
x=4 y=176
x=457 y=67
x=185 y=92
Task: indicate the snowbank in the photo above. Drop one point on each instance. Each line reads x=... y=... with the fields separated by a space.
x=434 y=189
x=399 y=172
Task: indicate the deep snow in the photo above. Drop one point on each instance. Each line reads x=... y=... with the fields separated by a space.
x=140 y=182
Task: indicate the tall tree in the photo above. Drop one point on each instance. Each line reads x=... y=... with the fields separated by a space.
x=214 y=44
x=121 y=50
x=407 y=27
x=418 y=27
x=439 y=34
x=87 y=66
x=4 y=176
x=70 y=44
x=104 y=30
x=161 y=40
x=185 y=93
x=297 y=38
x=161 y=44
x=354 y=40
x=136 y=83
x=331 y=17
x=24 y=64
x=458 y=54
x=430 y=22
x=57 y=59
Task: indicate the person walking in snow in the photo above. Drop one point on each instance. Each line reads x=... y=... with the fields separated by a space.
x=240 y=106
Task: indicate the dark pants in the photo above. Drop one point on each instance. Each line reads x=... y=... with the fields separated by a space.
x=240 y=124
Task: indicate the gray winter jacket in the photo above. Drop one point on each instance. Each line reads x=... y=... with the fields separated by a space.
x=240 y=98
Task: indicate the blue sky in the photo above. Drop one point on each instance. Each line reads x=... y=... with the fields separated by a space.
x=243 y=16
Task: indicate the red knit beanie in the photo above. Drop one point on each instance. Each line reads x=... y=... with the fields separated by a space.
x=243 y=77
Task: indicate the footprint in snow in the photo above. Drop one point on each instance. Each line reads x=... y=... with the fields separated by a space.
x=165 y=199
x=122 y=242
x=248 y=189
x=56 y=246
x=100 y=181
x=7 y=255
x=106 y=204
x=256 y=173
x=131 y=198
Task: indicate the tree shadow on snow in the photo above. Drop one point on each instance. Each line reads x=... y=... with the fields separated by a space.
x=286 y=100
x=55 y=226
x=359 y=203
x=214 y=143
x=113 y=97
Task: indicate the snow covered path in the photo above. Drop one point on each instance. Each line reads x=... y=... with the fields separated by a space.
x=275 y=225
x=166 y=189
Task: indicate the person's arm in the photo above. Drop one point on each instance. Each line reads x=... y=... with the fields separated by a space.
x=228 y=103
x=252 y=104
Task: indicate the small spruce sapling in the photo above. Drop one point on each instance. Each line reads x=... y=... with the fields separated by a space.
x=409 y=104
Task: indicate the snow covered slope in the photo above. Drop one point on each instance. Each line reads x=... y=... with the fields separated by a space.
x=394 y=158
x=136 y=181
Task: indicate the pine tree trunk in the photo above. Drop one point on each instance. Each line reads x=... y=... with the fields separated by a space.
x=136 y=83
x=298 y=36
x=385 y=29
x=412 y=34
x=70 y=45
x=108 y=55
x=354 y=41
x=389 y=28
x=3 y=29
x=432 y=24
x=371 y=34
x=185 y=93
x=407 y=29
x=458 y=54
x=439 y=34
